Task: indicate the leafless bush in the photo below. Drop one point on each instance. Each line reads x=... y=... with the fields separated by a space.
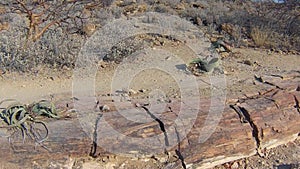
x=47 y=33
x=267 y=23
x=50 y=33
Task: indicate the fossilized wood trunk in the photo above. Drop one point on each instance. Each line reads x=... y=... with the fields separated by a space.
x=248 y=125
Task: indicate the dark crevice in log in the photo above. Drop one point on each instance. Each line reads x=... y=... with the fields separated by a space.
x=95 y=136
x=160 y=123
x=180 y=158
x=241 y=115
x=246 y=118
x=255 y=132
x=188 y=141
x=274 y=101
x=297 y=104
x=261 y=80
x=178 y=150
x=259 y=95
x=275 y=93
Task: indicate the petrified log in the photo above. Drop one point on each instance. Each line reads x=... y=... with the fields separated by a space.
x=247 y=126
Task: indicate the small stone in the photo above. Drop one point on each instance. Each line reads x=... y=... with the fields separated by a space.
x=248 y=62
x=132 y=92
x=133 y=152
x=89 y=29
x=180 y=6
x=269 y=52
x=4 y=26
x=168 y=58
x=224 y=54
x=65 y=67
x=278 y=161
x=51 y=78
x=102 y=64
x=235 y=165
x=280 y=52
x=104 y=108
x=145 y=159
x=189 y=165
x=142 y=90
x=293 y=52
x=137 y=105
x=192 y=36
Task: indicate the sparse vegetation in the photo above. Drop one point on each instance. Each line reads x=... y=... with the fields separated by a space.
x=259 y=35
x=19 y=117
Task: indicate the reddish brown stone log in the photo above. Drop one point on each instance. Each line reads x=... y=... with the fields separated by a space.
x=247 y=126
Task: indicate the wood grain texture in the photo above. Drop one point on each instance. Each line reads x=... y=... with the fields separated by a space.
x=273 y=118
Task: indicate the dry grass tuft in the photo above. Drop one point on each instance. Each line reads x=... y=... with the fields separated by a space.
x=259 y=36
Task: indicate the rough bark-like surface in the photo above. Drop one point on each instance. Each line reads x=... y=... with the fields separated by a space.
x=248 y=125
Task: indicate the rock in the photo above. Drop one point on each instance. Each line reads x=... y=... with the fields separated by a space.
x=65 y=67
x=248 y=62
x=180 y=6
x=134 y=8
x=213 y=39
x=2 y=71
x=4 y=26
x=279 y=51
x=294 y=52
x=221 y=49
x=89 y=29
x=132 y=92
x=224 y=54
x=104 y=108
x=2 y=9
x=192 y=36
x=128 y=2
x=228 y=27
x=142 y=90
x=168 y=58
x=235 y=165
x=197 y=5
x=51 y=78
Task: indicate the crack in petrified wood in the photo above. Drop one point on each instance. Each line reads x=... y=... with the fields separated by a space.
x=161 y=125
x=246 y=118
x=178 y=150
x=297 y=104
x=241 y=115
x=95 y=137
x=261 y=80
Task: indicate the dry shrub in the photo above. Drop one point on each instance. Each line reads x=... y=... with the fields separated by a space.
x=259 y=36
x=59 y=28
